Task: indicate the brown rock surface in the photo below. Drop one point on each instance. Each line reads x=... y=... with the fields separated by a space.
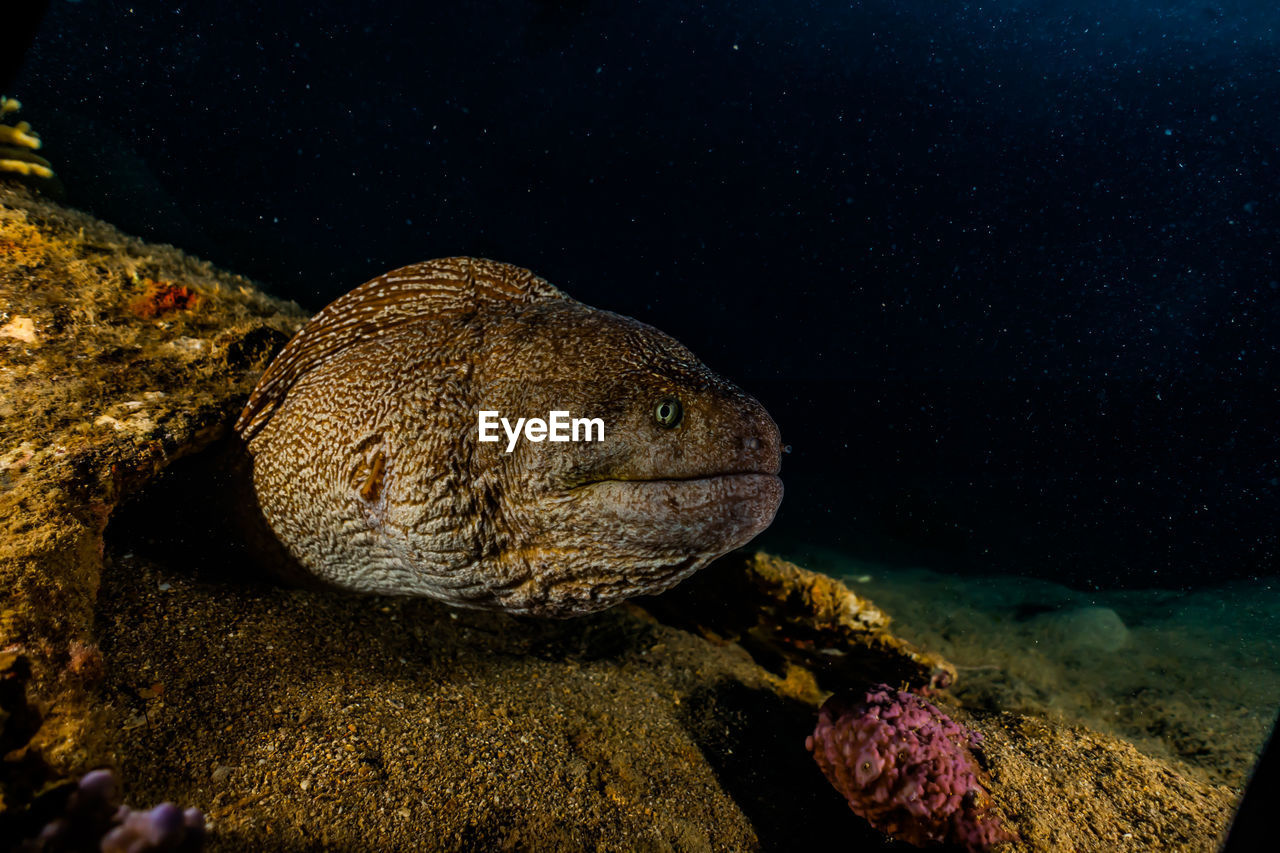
x=300 y=719
x=1066 y=788
x=104 y=379
x=784 y=614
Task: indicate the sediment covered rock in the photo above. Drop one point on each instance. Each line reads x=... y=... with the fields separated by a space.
x=116 y=357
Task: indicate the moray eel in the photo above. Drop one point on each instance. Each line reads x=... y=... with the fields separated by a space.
x=366 y=464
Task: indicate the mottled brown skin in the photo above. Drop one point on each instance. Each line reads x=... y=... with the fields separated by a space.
x=367 y=467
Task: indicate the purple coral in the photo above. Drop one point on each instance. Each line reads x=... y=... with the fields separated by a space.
x=907 y=768
x=94 y=819
x=165 y=827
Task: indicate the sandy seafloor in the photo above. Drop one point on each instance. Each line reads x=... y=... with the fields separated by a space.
x=1193 y=677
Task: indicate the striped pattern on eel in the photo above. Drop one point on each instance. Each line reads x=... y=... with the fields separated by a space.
x=362 y=437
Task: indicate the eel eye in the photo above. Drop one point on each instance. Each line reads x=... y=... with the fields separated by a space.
x=668 y=412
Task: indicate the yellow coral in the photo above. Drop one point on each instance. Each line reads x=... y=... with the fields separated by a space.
x=20 y=135
x=17 y=142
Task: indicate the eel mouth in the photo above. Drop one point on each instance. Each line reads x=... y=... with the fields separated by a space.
x=718 y=512
x=744 y=477
x=690 y=479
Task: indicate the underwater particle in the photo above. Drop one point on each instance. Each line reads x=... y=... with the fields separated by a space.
x=368 y=468
x=907 y=768
x=18 y=142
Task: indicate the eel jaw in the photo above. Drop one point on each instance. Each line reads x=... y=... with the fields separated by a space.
x=709 y=515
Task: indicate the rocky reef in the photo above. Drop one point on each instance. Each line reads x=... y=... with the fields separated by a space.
x=299 y=719
x=115 y=358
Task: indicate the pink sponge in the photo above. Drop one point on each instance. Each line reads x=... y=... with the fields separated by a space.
x=907 y=768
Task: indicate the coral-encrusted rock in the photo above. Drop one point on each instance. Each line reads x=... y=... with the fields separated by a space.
x=116 y=357
x=907 y=768
x=784 y=614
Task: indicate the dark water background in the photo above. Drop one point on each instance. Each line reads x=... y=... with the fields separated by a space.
x=1005 y=273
